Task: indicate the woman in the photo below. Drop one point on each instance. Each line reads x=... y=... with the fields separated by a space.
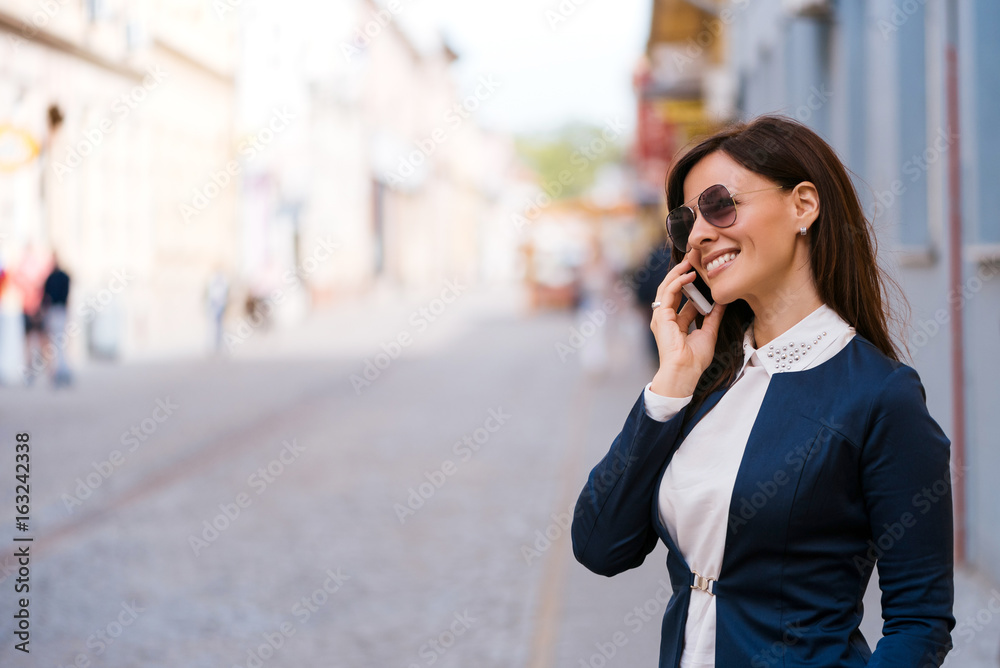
x=781 y=449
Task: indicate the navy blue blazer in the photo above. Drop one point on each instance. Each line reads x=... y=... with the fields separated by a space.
x=844 y=467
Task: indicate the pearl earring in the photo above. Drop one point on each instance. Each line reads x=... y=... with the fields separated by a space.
x=802 y=231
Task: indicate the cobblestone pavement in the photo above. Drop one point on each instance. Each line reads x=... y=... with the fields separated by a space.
x=261 y=510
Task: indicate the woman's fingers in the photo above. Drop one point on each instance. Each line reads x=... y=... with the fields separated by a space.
x=713 y=320
x=669 y=291
x=674 y=272
x=673 y=340
x=686 y=316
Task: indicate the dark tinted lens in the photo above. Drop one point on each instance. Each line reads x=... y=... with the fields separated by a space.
x=679 y=223
x=716 y=205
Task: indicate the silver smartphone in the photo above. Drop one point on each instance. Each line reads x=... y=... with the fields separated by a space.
x=696 y=291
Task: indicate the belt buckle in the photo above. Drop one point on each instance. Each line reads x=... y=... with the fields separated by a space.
x=703 y=583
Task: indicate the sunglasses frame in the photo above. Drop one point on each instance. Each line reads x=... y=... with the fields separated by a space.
x=698 y=206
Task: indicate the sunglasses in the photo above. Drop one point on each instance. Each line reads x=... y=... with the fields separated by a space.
x=717 y=207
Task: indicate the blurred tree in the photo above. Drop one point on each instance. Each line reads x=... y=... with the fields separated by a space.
x=571 y=156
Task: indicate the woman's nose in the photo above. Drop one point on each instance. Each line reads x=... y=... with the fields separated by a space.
x=701 y=231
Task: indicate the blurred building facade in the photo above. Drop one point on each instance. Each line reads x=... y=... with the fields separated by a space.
x=109 y=114
x=683 y=89
x=908 y=93
x=281 y=153
x=677 y=82
x=383 y=161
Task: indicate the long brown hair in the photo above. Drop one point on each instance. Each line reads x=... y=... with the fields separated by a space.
x=842 y=242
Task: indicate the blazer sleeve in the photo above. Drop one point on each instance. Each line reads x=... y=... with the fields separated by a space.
x=613 y=527
x=906 y=482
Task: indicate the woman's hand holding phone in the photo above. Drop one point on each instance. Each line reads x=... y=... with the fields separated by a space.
x=683 y=356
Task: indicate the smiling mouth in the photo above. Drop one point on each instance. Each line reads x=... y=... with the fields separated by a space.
x=723 y=259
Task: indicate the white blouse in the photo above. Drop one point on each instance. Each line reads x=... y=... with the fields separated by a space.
x=697 y=486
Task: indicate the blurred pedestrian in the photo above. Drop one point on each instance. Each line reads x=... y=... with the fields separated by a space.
x=29 y=277
x=217 y=298
x=594 y=312
x=55 y=294
x=4 y=280
x=647 y=279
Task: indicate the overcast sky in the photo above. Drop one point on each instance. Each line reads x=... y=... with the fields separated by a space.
x=549 y=73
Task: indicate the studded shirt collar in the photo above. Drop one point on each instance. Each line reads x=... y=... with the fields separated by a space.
x=798 y=347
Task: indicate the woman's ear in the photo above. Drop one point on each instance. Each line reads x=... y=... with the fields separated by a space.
x=805 y=199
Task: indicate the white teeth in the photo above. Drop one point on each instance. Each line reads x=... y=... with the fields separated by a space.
x=722 y=259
